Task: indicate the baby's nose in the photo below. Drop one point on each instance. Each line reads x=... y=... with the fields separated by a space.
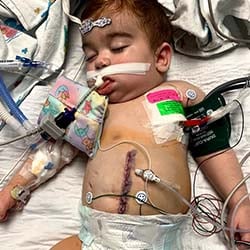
x=102 y=61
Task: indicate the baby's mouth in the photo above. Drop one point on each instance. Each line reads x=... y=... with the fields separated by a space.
x=105 y=88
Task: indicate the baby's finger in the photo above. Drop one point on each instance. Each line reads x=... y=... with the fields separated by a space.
x=4 y=218
x=242 y=245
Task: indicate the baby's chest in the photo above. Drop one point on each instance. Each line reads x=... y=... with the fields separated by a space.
x=126 y=122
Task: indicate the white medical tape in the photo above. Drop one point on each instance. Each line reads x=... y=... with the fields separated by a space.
x=123 y=68
x=43 y=163
x=165 y=113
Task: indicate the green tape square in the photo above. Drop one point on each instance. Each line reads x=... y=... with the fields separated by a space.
x=170 y=107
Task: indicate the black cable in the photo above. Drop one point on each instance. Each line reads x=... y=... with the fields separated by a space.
x=130 y=196
x=230 y=85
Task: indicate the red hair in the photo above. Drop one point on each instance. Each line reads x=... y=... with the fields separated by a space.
x=150 y=14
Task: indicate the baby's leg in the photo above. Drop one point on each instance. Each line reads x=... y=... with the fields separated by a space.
x=39 y=166
x=72 y=243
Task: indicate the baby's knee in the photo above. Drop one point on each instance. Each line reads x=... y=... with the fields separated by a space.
x=72 y=243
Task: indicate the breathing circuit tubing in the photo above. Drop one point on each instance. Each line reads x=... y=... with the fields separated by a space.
x=14 y=109
x=10 y=120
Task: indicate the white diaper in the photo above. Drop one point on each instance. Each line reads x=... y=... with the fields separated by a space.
x=101 y=230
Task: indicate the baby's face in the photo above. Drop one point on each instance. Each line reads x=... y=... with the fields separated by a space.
x=123 y=41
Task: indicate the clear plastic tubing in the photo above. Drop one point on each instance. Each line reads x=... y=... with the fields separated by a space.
x=14 y=109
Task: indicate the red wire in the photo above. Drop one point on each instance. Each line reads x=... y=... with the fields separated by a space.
x=196 y=122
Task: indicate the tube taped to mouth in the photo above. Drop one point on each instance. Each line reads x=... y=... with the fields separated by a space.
x=123 y=68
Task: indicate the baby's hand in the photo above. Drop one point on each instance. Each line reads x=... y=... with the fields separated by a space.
x=6 y=203
x=241 y=222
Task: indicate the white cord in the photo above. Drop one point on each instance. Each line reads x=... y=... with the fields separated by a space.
x=144 y=150
x=152 y=177
x=223 y=110
x=28 y=134
x=243 y=160
x=14 y=166
x=132 y=143
x=193 y=209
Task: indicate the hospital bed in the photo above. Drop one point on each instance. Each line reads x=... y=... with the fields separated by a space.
x=52 y=212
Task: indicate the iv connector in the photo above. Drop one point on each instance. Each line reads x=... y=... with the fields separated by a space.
x=147 y=175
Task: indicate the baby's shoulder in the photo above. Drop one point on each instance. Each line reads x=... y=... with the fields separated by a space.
x=189 y=93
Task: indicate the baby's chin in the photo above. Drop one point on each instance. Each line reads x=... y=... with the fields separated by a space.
x=116 y=98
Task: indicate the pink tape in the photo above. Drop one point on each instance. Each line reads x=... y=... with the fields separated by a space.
x=163 y=95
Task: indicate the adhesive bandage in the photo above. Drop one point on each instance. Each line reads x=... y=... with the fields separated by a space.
x=165 y=112
x=123 y=68
x=88 y=24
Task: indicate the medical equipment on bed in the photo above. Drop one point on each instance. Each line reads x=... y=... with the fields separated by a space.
x=214 y=115
x=11 y=120
x=23 y=63
x=165 y=113
x=43 y=172
x=15 y=117
x=76 y=112
x=14 y=109
x=210 y=216
x=44 y=160
x=197 y=212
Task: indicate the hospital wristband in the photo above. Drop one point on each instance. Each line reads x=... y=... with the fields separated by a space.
x=21 y=195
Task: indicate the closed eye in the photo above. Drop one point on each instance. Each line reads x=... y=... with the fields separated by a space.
x=119 y=49
x=89 y=58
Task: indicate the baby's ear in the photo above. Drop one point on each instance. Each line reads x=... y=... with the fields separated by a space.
x=163 y=56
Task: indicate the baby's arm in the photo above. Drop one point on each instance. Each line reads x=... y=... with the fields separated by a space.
x=39 y=166
x=221 y=167
x=224 y=173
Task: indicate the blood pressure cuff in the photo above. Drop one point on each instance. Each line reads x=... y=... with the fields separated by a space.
x=208 y=138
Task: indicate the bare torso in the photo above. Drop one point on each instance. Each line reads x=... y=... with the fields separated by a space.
x=112 y=171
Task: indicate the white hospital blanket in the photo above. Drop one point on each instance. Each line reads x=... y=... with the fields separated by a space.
x=195 y=31
x=37 y=30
